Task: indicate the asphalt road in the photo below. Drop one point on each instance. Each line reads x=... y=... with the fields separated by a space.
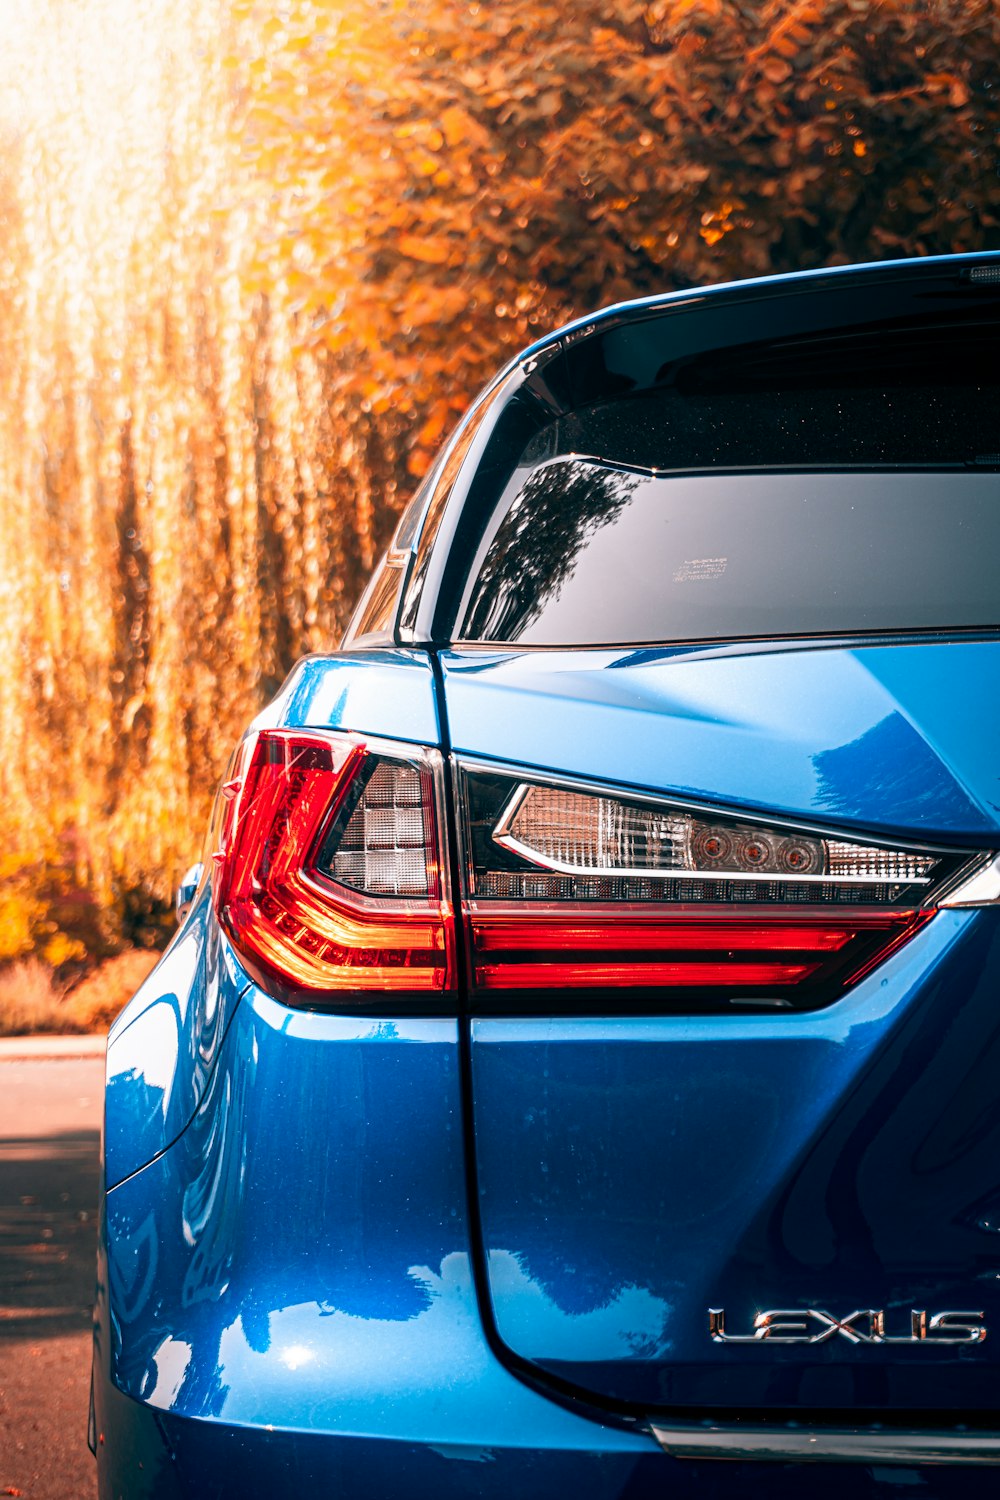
x=50 y=1113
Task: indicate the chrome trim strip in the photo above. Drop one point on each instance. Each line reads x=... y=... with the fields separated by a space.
x=559 y=867
x=842 y=1445
x=980 y=889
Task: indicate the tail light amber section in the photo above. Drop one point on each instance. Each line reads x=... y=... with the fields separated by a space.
x=327 y=873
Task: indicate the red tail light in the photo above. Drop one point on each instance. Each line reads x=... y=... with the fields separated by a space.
x=330 y=880
x=740 y=956
x=570 y=888
x=327 y=873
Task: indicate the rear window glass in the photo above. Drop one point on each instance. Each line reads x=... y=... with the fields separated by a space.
x=580 y=552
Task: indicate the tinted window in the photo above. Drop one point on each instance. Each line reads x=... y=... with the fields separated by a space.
x=582 y=553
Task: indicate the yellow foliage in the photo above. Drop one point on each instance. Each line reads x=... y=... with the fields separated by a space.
x=30 y=887
x=21 y=914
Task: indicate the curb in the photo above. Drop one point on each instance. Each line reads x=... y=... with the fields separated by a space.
x=40 y=1048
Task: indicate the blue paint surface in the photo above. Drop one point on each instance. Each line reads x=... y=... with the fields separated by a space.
x=878 y=737
x=388 y=692
x=301 y=1256
x=164 y=1046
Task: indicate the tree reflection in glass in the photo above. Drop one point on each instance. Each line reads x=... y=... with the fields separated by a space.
x=539 y=541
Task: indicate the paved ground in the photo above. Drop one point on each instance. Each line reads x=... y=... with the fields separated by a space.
x=50 y=1113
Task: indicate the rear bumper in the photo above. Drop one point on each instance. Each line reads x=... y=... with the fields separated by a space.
x=150 y=1455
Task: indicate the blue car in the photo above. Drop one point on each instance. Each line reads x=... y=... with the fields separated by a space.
x=577 y=1071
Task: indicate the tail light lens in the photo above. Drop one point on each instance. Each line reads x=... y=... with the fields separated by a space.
x=327 y=873
x=570 y=889
x=330 y=881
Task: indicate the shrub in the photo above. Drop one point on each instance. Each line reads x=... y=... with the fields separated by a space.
x=32 y=999
x=96 y=1000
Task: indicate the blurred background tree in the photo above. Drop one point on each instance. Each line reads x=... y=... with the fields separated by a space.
x=254 y=260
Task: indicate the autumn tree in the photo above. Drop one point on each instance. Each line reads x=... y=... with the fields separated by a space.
x=254 y=259
x=454 y=178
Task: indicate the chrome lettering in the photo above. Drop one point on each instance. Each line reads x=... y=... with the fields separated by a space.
x=917 y=1333
x=717 y=1329
x=965 y=1328
x=845 y=1326
x=783 y=1327
x=863 y=1326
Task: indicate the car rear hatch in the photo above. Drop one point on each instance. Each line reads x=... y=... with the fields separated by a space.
x=734 y=1083
x=660 y=1164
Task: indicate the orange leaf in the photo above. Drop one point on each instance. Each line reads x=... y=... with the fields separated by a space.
x=458 y=126
x=434 y=250
x=435 y=424
x=775 y=70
